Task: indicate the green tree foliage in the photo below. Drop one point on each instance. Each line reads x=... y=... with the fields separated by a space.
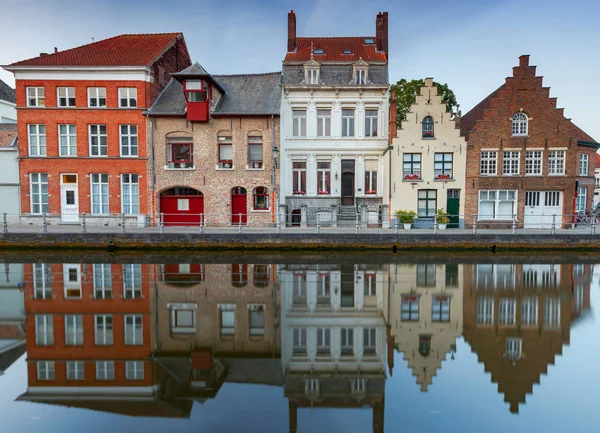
x=406 y=95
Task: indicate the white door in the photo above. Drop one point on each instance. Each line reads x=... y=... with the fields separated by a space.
x=69 y=198
x=72 y=280
x=540 y=207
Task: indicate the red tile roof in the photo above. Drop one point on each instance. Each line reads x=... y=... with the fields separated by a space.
x=122 y=50
x=333 y=50
x=598 y=160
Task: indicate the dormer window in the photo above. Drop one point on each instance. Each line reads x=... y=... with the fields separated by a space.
x=347 y=52
x=312 y=75
x=360 y=76
x=319 y=51
x=519 y=124
x=196 y=91
x=369 y=41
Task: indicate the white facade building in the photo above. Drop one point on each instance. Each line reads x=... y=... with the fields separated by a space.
x=8 y=106
x=9 y=171
x=334 y=126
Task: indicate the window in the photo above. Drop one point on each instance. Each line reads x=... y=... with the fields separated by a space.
x=35 y=97
x=507 y=311
x=411 y=166
x=227 y=319
x=498 y=205
x=67 y=139
x=514 y=347
x=99 y=185
x=102 y=281
x=370 y=284
x=323 y=342
x=312 y=75
x=130 y=194
x=443 y=165
x=299 y=123
x=196 y=91
x=551 y=312
x=66 y=96
x=98 y=140
x=410 y=308
x=324 y=123
x=299 y=289
x=105 y=370
x=225 y=151
x=261 y=198
x=488 y=163
x=133 y=330
x=37 y=140
x=426 y=274
x=348 y=122
x=73 y=330
x=257 y=319
x=370 y=341
x=45 y=370
x=347 y=341
x=42 y=281
x=44 y=330
x=424 y=345
x=533 y=162
x=255 y=152
x=427 y=202
x=451 y=275
x=132 y=281
x=129 y=140
x=134 y=370
x=75 y=370
x=180 y=155
x=39 y=193
x=556 y=162
x=323 y=178
x=493 y=276
x=519 y=124
x=183 y=319
x=127 y=97
x=239 y=274
x=370 y=123
x=323 y=289
x=261 y=275
x=440 y=309
x=371 y=176
x=299 y=177
x=299 y=337
x=580 y=202
x=485 y=310
x=360 y=76
x=529 y=311
x=428 y=127
x=96 y=97
x=583 y=164
x=510 y=162
x=103 y=330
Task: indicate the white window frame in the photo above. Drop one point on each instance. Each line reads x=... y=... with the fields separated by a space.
x=507 y=312
x=99 y=200
x=73 y=330
x=325 y=175
x=493 y=276
x=128 y=140
x=132 y=281
x=36 y=183
x=497 y=201
x=96 y=94
x=529 y=311
x=370 y=341
x=42 y=281
x=44 y=330
x=227 y=311
x=37 y=94
x=583 y=164
x=102 y=281
x=348 y=122
x=298 y=173
x=347 y=341
x=324 y=122
x=127 y=93
x=371 y=122
x=299 y=341
x=511 y=162
x=407 y=311
x=101 y=141
x=184 y=309
x=552 y=312
x=46 y=370
x=70 y=138
x=556 y=162
x=134 y=329
x=520 y=125
x=488 y=165
x=581 y=200
x=299 y=122
x=134 y=370
x=105 y=370
x=36 y=138
x=75 y=370
x=69 y=93
x=485 y=310
x=513 y=348
x=323 y=342
x=103 y=331
x=360 y=75
x=312 y=75
x=533 y=162
x=132 y=205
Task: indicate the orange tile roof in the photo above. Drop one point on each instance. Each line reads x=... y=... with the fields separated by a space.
x=598 y=160
x=122 y=50
x=333 y=50
x=8 y=132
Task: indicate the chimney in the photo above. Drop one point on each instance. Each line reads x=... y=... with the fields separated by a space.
x=43 y=54
x=55 y=50
x=381 y=29
x=524 y=61
x=291 y=32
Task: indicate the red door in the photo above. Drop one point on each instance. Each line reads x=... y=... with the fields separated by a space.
x=238 y=206
x=181 y=210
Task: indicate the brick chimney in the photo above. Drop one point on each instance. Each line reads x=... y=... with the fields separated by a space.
x=524 y=61
x=381 y=29
x=291 y=32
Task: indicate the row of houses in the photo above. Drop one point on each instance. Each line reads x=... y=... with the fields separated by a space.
x=130 y=125
x=111 y=336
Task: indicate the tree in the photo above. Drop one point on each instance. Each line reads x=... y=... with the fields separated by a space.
x=406 y=95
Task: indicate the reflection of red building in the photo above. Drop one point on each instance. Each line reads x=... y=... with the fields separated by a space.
x=517 y=318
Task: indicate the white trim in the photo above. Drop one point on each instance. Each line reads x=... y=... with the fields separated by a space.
x=102 y=392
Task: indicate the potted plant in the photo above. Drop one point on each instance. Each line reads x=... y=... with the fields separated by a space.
x=371 y=191
x=406 y=217
x=443 y=176
x=411 y=176
x=442 y=219
x=322 y=192
x=299 y=192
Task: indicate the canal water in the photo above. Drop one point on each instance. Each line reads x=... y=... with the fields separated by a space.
x=101 y=342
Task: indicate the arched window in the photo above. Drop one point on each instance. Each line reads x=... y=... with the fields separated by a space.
x=239 y=274
x=424 y=345
x=261 y=198
x=261 y=275
x=428 y=127
x=519 y=124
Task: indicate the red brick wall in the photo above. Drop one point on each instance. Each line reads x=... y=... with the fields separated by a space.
x=174 y=59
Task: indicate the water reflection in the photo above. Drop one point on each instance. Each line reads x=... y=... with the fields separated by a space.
x=150 y=339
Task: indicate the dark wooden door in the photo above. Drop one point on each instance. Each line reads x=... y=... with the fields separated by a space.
x=348 y=182
x=238 y=206
x=453 y=207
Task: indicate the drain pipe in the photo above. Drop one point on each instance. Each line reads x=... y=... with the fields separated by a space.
x=274 y=204
x=153 y=169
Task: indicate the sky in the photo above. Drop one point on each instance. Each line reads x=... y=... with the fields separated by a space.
x=471 y=45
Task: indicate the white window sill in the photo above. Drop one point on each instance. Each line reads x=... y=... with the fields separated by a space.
x=217 y=168
x=255 y=169
x=428 y=138
x=533 y=175
x=445 y=180
x=488 y=175
x=176 y=330
x=556 y=175
x=511 y=174
x=519 y=135
x=412 y=180
x=167 y=168
x=260 y=210
x=129 y=156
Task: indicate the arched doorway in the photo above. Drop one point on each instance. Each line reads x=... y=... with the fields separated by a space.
x=181 y=206
x=239 y=212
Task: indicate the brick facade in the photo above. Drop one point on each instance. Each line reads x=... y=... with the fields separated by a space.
x=488 y=127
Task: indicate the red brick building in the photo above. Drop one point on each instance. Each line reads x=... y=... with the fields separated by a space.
x=524 y=157
x=83 y=135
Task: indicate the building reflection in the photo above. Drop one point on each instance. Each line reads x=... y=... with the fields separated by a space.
x=334 y=337
x=517 y=317
x=425 y=316
x=12 y=315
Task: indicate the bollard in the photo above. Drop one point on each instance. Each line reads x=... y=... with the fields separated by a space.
x=514 y=224
x=4 y=224
x=161 y=219
x=474 y=224
x=44 y=223
x=318 y=225
x=554 y=224
x=123 y=223
x=201 y=223
x=435 y=225
x=593 y=225
x=396 y=227
x=240 y=221
x=83 y=227
x=356 y=223
x=279 y=223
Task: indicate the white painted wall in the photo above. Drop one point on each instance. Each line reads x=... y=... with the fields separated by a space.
x=9 y=181
x=8 y=112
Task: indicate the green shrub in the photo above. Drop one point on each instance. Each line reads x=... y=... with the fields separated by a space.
x=406 y=216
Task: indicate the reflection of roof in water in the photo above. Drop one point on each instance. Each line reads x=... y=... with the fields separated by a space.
x=10 y=354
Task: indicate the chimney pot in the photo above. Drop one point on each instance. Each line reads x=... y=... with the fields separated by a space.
x=55 y=50
x=381 y=29
x=291 y=46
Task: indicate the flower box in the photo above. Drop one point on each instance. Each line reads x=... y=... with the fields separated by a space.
x=299 y=192
x=412 y=176
x=428 y=134
x=443 y=176
x=322 y=192
x=371 y=191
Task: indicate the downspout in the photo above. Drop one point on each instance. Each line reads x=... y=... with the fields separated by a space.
x=152 y=171
x=393 y=132
x=273 y=162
